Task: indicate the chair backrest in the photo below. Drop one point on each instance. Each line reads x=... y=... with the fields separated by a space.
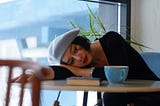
x=153 y=61
x=11 y=67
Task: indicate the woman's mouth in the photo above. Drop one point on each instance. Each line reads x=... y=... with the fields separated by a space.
x=85 y=60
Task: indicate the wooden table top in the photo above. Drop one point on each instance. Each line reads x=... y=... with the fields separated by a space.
x=127 y=86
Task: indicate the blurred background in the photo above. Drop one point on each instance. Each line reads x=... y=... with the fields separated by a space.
x=28 y=26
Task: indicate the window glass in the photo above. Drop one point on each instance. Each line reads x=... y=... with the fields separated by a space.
x=113 y=16
x=28 y=26
x=23 y=19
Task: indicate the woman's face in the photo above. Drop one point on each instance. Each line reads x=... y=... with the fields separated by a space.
x=77 y=56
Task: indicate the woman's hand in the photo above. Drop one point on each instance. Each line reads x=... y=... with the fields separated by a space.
x=47 y=72
x=85 y=72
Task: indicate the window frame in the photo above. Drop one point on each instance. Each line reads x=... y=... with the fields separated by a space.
x=128 y=12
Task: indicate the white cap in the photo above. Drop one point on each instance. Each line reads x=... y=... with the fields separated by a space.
x=58 y=46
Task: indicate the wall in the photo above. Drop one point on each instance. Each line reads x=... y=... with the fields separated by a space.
x=145 y=23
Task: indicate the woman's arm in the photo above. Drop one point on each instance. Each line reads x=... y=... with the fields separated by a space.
x=87 y=72
x=84 y=72
x=64 y=71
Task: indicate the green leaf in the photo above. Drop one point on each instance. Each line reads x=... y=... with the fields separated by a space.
x=72 y=24
x=101 y=24
x=95 y=32
x=98 y=20
x=136 y=43
x=91 y=12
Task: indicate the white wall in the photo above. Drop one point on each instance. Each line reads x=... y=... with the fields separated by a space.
x=145 y=23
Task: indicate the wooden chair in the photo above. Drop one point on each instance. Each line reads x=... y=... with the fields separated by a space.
x=10 y=66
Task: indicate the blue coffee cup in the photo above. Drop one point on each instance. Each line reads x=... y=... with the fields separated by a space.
x=116 y=74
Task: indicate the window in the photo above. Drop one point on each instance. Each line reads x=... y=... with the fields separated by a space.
x=4 y=1
x=115 y=14
x=26 y=21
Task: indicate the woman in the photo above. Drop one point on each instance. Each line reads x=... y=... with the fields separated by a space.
x=73 y=55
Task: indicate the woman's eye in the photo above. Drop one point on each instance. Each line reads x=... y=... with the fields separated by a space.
x=75 y=50
x=72 y=61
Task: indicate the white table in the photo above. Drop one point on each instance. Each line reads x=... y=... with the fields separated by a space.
x=127 y=86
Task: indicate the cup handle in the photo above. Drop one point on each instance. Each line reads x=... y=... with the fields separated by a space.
x=122 y=74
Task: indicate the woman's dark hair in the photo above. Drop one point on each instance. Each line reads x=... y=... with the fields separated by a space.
x=83 y=42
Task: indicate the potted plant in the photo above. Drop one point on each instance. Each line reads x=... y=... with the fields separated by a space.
x=95 y=32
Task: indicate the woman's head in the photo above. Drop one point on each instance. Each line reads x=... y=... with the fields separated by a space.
x=60 y=46
x=78 y=53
